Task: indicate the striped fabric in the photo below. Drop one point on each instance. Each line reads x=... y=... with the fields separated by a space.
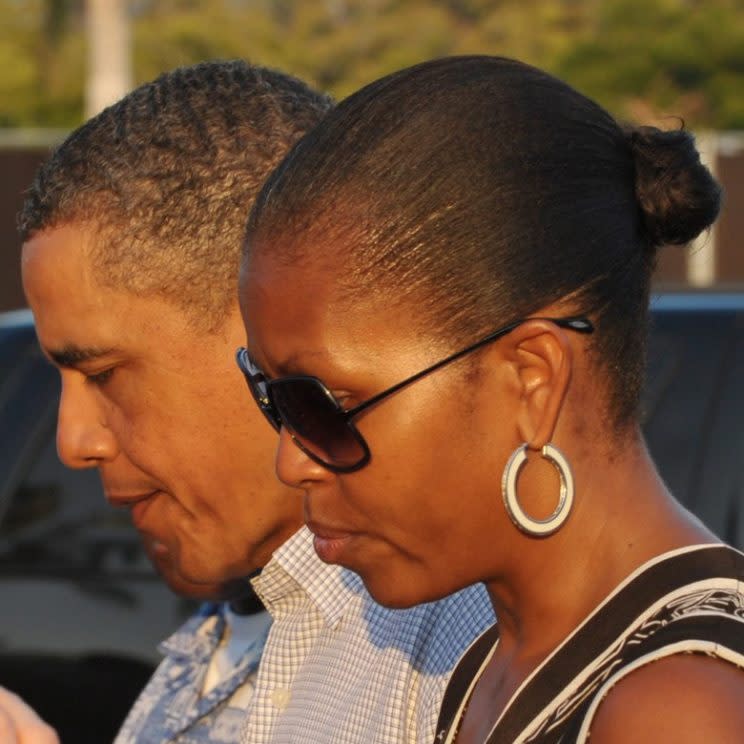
x=339 y=669
x=687 y=600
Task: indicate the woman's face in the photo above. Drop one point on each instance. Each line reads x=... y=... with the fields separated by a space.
x=422 y=519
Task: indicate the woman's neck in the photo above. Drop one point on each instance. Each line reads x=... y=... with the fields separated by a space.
x=623 y=516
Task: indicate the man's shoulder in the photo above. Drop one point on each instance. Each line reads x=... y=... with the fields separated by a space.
x=433 y=634
x=474 y=598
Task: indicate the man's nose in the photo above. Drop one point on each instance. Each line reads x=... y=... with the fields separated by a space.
x=83 y=438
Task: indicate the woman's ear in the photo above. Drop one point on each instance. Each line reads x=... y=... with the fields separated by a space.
x=542 y=359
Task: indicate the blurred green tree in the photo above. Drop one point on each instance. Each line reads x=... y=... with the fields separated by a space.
x=643 y=59
x=41 y=63
x=649 y=59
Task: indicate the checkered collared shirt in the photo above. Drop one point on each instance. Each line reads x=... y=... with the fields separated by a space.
x=339 y=668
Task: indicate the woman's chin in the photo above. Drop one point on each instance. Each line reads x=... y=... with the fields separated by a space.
x=395 y=593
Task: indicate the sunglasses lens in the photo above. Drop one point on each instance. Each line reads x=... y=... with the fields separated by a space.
x=315 y=420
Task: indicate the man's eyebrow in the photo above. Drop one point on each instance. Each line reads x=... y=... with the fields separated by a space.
x=71 y=356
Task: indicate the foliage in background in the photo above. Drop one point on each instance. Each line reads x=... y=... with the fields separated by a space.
x=643 y=59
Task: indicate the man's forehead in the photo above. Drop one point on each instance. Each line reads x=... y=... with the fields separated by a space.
x=57 y=259
x=80 y=317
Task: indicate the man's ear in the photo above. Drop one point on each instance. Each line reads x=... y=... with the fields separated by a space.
x=542 y=358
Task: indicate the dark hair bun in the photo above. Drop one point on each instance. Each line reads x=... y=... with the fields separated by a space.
x=678 y=196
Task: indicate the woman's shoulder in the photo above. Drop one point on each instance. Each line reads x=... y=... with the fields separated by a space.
x=681 y=698
x=676 y=612
x=678 y=675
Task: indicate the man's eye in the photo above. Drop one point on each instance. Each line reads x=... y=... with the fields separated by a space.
x=100 y=378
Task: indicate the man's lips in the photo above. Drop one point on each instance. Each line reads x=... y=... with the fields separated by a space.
x=136 y=503
x=127 y=500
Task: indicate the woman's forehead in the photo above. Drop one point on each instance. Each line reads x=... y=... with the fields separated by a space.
x=313 y=279
x=298 y=318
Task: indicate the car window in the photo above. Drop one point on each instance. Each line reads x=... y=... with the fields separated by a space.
x=693 y=411
x=12 y=346
x=58 y=523
x=53 y=520
x=29 y=390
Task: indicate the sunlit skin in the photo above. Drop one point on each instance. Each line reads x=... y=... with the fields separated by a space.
x=19 y=724
x=238 y=592
x=159 y=407
x=425 y=516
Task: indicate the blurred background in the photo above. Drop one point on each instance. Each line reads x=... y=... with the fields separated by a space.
x=651 y=61
x=81 y=609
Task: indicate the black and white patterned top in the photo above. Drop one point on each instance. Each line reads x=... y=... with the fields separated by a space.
x=689 y=600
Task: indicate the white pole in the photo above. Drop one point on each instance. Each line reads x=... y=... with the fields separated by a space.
x=109 y=73
x=701 y=253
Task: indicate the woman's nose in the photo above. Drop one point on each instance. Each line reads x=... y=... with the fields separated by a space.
x=294 y=467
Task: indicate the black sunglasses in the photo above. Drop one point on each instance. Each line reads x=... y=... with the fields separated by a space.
x=318 y=423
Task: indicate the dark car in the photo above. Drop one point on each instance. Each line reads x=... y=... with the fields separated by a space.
x=82 y=608
x=694 y=406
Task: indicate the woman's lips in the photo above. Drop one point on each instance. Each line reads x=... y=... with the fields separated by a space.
x=330 y=544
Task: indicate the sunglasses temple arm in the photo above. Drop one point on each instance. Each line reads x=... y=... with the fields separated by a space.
x=576 y=323
x=434 y=367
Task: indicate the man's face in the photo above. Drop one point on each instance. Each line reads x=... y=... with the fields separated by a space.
x=164 y=414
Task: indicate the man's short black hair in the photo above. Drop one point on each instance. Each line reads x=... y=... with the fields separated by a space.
x=165 y=178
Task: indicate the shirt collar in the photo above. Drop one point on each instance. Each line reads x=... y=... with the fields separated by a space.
x=198 y=637
x=295 y=571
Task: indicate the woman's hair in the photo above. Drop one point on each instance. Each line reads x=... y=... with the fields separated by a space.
x=483 y=189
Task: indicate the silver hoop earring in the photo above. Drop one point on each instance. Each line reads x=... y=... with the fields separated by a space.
x=528 y=525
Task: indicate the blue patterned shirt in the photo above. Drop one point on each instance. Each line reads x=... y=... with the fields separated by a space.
x=171 y=708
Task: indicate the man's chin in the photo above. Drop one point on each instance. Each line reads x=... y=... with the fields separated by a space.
x=166 y=563
x=198 y=585
x=193 y=582
x=192 y=588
